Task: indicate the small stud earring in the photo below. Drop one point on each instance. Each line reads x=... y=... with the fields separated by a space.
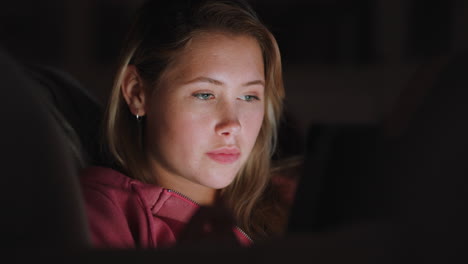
x=138 y=117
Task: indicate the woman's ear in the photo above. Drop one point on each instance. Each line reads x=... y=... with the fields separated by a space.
x=133 y=91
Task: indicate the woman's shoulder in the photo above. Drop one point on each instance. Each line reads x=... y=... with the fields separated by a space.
x=103 y=176
x=108 y=182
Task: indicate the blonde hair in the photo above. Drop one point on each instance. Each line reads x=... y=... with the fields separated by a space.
x=161 y=31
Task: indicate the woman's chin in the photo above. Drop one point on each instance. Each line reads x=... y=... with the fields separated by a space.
x=218 y=184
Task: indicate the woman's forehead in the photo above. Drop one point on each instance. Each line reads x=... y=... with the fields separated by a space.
x=216 y=54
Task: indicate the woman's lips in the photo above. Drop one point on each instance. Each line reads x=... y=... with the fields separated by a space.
x=224 y=155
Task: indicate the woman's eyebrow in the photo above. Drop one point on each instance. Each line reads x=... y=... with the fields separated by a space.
x=205 y=80
x=256 y=82
x=220 y=83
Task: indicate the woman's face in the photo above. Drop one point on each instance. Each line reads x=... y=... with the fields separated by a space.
x=205 y=115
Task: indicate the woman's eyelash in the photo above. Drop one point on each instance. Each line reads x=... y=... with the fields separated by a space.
x=204 y=96
x=250 y=98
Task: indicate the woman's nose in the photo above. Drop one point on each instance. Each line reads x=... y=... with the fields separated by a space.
x=228 y=122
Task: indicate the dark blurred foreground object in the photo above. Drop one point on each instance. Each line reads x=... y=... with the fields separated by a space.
x=76 y=111
x=427 y=160
x=340 y=184
x=40 y=199
x=412 y=176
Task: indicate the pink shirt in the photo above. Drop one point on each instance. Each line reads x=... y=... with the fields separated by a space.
x=126 y=213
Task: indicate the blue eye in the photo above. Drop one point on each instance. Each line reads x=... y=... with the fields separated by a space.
x=249 y=98
x=204 y=96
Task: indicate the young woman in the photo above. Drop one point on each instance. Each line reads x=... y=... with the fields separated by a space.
x=191 y=123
